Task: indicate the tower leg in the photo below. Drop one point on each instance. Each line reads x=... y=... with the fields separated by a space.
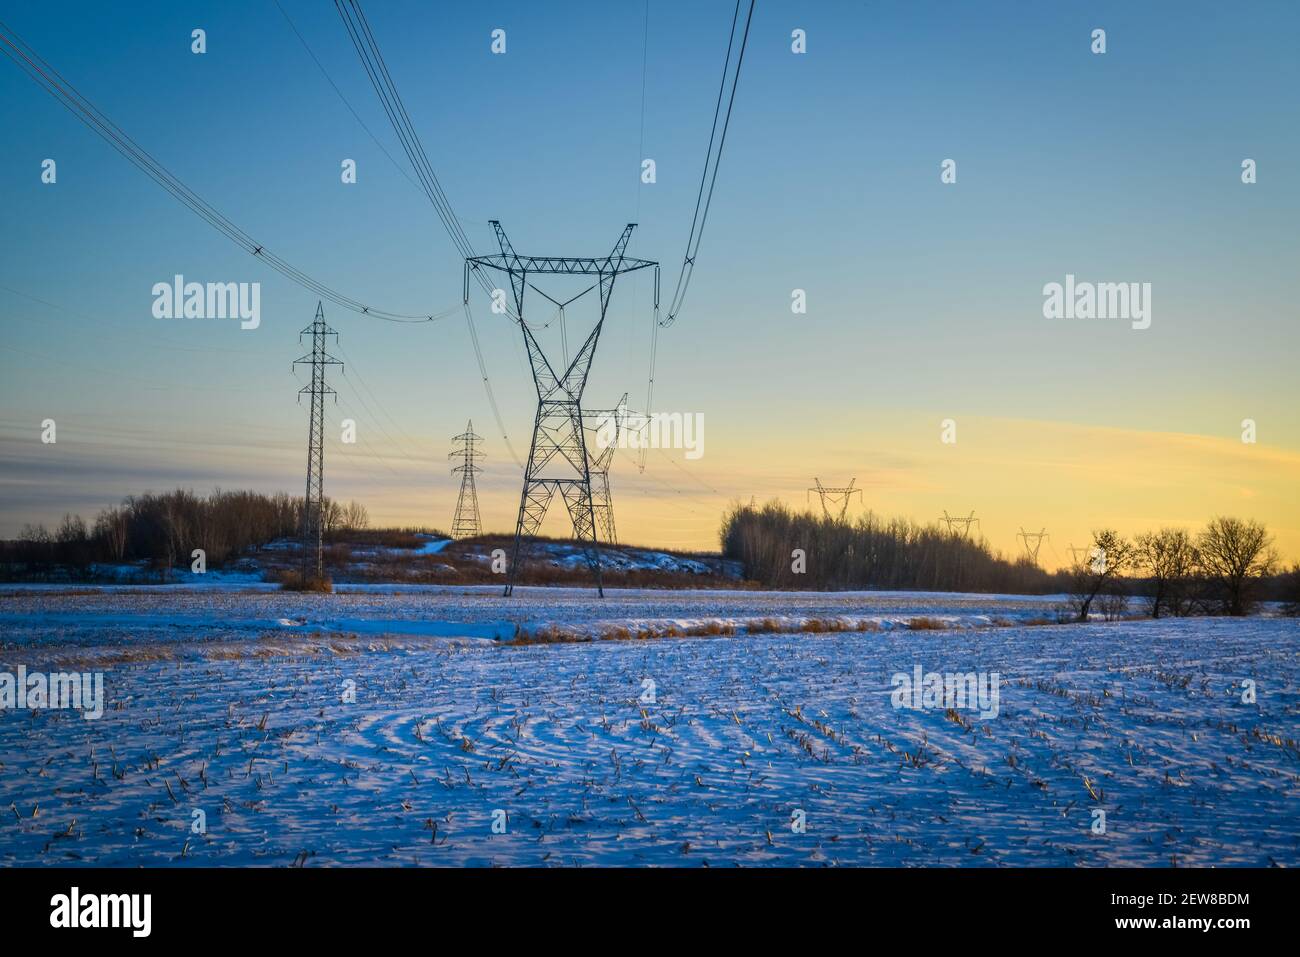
x=533 y=503
x=558 y=442
x=577 y=496
x=583 y=506
x=532 y=509
x=603 y=501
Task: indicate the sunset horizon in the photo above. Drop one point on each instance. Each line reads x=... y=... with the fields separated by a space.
x=801 y=362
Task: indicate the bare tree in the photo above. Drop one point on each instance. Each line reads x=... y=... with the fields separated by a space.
x=111 y=529
x=38 y=534
x=1236 y=555
x=73 y=542
x=1111 y=554
x=355 y=516
x=1291 y=591
x=71 y=530
x=1169 y=558
x=331 y=515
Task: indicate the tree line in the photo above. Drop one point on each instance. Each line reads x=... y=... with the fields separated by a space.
x=163 y=529
x=1227 y=568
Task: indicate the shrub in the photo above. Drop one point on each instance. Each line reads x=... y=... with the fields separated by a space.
x=294 y=580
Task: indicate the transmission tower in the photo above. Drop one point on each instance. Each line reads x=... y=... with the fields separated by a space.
x=964 y=522
x=1036 y=538
x=1075 y=552
x=834 y=496
x=558 y=459
x=466 y=523
x=313 y=525
x=601 y=499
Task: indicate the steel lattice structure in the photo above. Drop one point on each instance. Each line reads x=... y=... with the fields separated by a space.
x=466 y=522
x=558 y=460
x=313 y=511
x=1086 y=551
x=832 y=496
x=601 y=498
x=1037 y=538
x=960 y=521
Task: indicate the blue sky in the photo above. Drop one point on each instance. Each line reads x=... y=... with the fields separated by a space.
x=924 y=299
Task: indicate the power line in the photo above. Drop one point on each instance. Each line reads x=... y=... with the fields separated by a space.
x=355 y=373
x=149 y=341
x=379 y=427
x=640 y=148
x=703 y=200
x=671 y=488
x=491 y=397
x=301 y=39
x=711 y=160
x=64 y=92
x=349 y=411
x=372 y=60
x=377 y=70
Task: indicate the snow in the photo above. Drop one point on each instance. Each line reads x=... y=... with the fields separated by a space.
x=433 y=547
x=232 y=702
x=622 y=558
x=249 y=572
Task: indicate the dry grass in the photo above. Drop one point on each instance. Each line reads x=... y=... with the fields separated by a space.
x=293 y=580
x=828 y=625
x=927 y=624
x=552 y=634
x=546 y=635
x=411 y=538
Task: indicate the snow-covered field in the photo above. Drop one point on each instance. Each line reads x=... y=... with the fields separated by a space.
x=391 y=725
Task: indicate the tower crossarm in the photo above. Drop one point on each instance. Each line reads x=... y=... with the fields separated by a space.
x=561 y=265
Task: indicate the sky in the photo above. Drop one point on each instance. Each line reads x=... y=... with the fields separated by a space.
x=924 y=298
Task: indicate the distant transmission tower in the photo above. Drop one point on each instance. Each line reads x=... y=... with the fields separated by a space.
x=834 y=496
x=313 y=512
x=1075 y=552
x=558 y=459
x=1036 y=538
x=964 y=522
x=601 y=498
x=466 y=523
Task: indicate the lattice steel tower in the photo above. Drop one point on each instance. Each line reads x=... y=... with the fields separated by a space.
x=602 y=499
x=313 y=525
x=1036 y=538
x=964 y=522
x=558 y=459
x=465 y=523
x=832 y=496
